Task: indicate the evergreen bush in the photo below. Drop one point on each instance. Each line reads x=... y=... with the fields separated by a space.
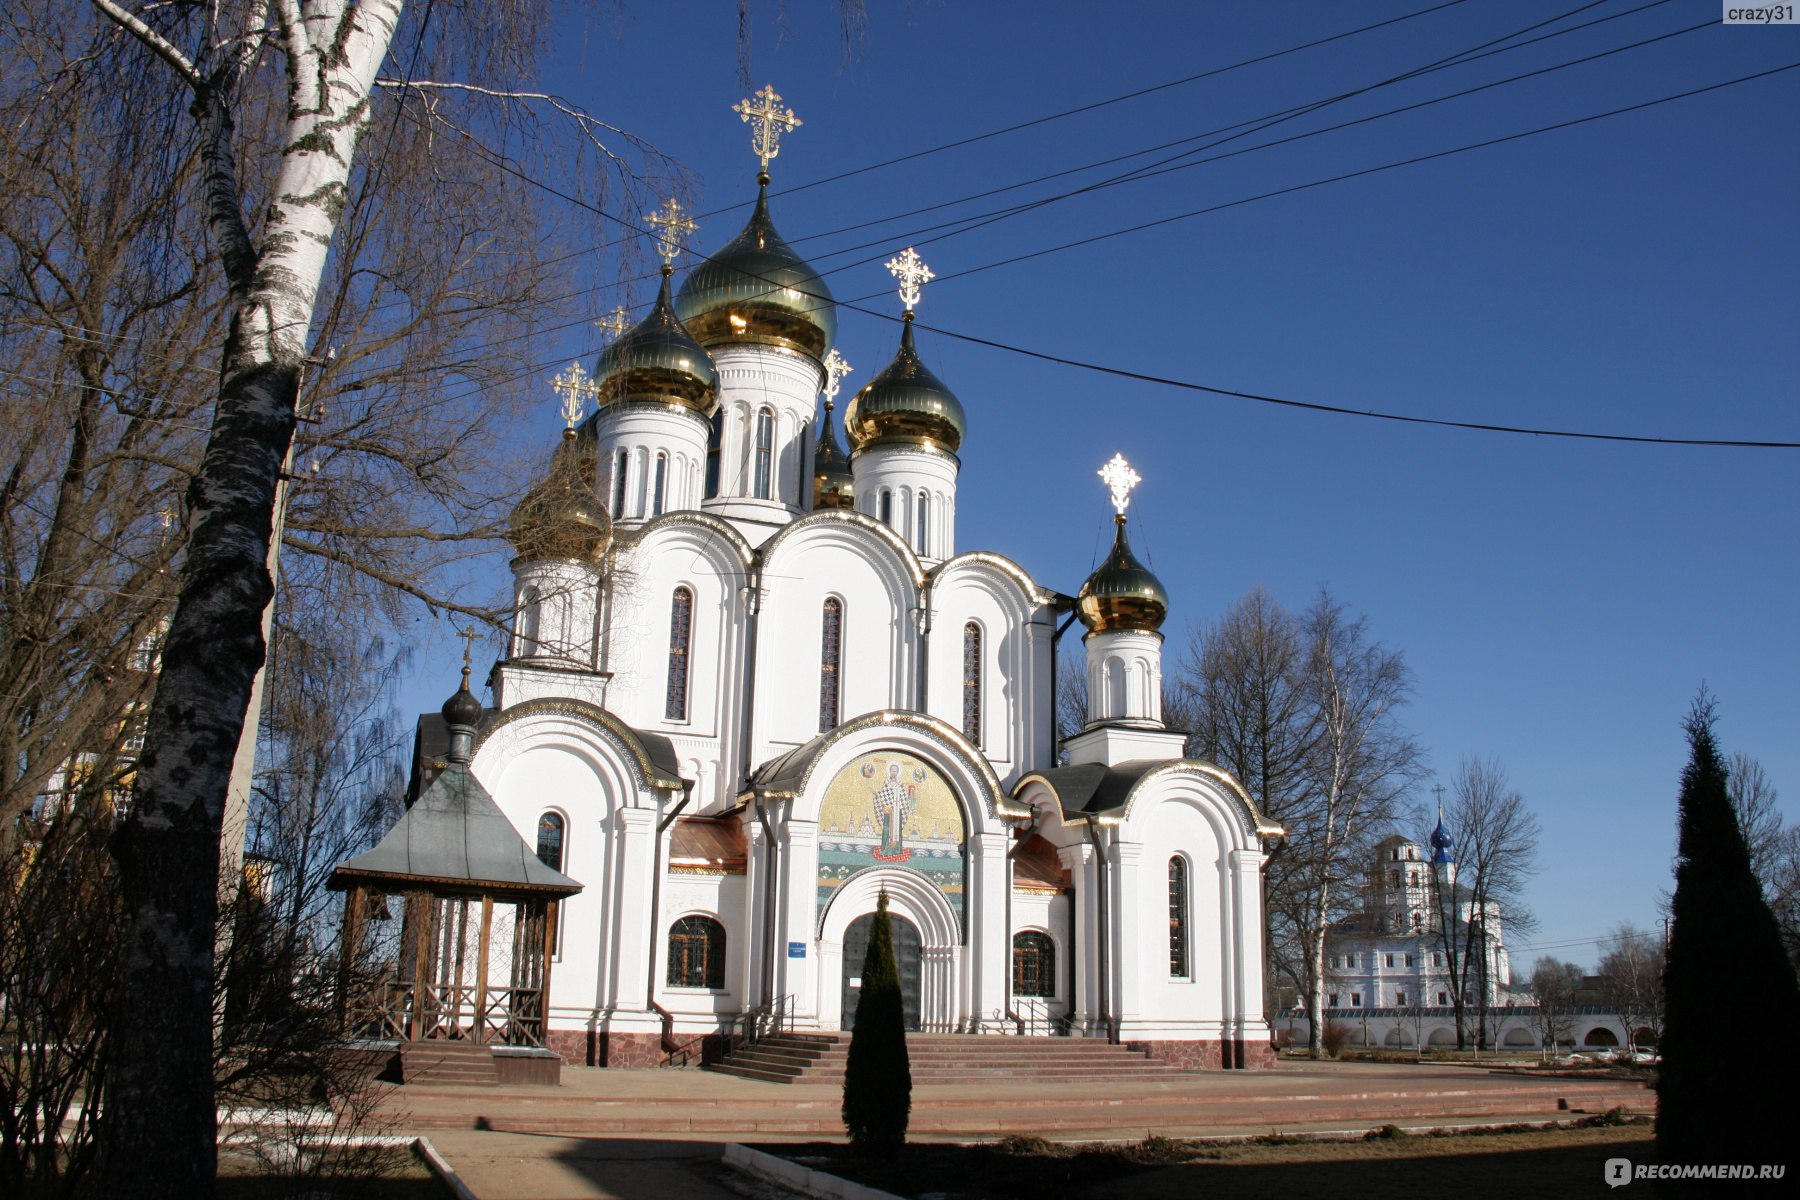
x=878 y=1077
x=1725 y=964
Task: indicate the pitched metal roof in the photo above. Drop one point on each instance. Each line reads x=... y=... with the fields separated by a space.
x=455 y=836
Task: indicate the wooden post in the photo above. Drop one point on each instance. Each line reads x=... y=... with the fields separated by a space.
x=552 y=910
x=481 y=969
x=352 y=941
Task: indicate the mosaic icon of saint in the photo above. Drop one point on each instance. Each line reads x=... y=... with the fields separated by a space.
x=893 y=802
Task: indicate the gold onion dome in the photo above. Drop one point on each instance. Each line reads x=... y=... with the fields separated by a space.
x=1123 y=594
x=905 y=404
x=658 y=361
x=561 y=517
x=757 y=291
x=833 y=484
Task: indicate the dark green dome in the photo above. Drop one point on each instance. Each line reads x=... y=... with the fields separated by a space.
x=560 y=517
x=757 y=291
x=1123 y=593
x=833 y=485
x=905 y=404
x=658 y=361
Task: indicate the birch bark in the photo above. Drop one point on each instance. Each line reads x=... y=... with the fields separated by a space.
x=159 y=1135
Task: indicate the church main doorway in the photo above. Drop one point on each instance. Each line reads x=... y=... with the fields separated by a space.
x=907 y=954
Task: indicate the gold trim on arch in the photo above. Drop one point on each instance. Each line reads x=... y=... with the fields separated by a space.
x=582 y=710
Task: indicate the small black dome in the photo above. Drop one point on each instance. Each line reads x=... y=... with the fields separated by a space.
x=463 y=708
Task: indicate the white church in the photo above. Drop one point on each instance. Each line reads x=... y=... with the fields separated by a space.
x=755 y=682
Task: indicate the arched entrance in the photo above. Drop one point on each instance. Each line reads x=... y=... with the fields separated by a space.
x=908 y=954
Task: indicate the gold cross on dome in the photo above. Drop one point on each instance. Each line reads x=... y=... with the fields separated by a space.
x=613 y=322
x=1119 y=479
x=574 y=385
x=468 y=636
x=672 y=229
x=767 y=123
x=836 y=367
x=911 y=271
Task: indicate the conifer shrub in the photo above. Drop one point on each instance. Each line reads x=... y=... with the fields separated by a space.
x=878 y=1077
x=1725 y=957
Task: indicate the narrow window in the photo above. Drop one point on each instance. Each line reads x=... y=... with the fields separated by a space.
x=765 y=452
x=1355 y=999
x=1349 y=960
x=659 y=484
x=1034 y=964
x=920 y=538
x=531 y=610
x=713 y=440
x=620 y=465
x=1331 y=1001
x=1443 y=999
x=971 y=683
x=1390 y=959
x=681 y=621
x=831 y=647
x=1409 y=960
x=550 y=840
x=887 y=508
x=1178 y=907
x=1399 y=999
x=697 y=953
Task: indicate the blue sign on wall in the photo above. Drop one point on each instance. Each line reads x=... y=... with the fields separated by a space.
x=796 y=949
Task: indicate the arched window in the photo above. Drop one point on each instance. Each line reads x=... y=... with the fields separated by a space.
x=831 y=654
x=681 y=622
x=971 y=683
x=1034 y=964
x=714 y=438
x=620 y=465
x=920 y=539
x=765 y=452
x=658 y=484
x=550 y=840
x=531 y=612
x=697 y=953
x=887 y=508
x=1178 y=918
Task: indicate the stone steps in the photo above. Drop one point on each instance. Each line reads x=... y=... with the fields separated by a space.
x=948 y=1058
x=446 y=1063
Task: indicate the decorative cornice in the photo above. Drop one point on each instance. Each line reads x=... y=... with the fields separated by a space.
x=593 y=714
x=1035 y=592
x=856 y=520
x=698 y=519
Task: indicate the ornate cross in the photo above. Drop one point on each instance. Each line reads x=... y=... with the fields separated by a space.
x=673 y=227
x=767 y=123
x=1119 y=479
x=468 y=635
x=574 y=386
x=911 y=271
x=836 y=367
x=613 y=322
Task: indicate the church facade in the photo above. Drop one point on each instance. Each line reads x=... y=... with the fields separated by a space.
x=755 y=683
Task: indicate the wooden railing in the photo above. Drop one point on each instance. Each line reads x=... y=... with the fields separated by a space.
x=396 y=1010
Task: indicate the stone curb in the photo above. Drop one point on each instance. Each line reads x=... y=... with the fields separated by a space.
x=440 y=1166
x=798 y=1178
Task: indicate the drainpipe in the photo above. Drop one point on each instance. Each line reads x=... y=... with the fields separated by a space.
x=771 y=873
x=753 y=606
x=1055 y=684
x=656 y=874
x=1104 y=995
x=922 y=616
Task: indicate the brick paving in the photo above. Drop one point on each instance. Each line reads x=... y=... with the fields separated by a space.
x=628 y=1130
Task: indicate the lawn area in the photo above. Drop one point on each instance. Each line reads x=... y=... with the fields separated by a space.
x=1558 y=1162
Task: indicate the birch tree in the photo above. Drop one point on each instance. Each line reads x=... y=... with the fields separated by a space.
x=1362 y=765
x=1496 y=839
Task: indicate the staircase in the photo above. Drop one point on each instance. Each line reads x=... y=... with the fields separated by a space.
x=949 y=1058
x=463 y=1064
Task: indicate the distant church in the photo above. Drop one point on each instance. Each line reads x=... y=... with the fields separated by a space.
x=754 y=683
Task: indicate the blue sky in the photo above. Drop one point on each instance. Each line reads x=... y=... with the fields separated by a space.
x=1559 y=601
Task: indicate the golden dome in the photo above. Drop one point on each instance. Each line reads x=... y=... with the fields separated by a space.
x=657 y=361
x=833 y=485
x=757 y=291
x=561 y=517
x=1123 y=593
x=905 y=404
